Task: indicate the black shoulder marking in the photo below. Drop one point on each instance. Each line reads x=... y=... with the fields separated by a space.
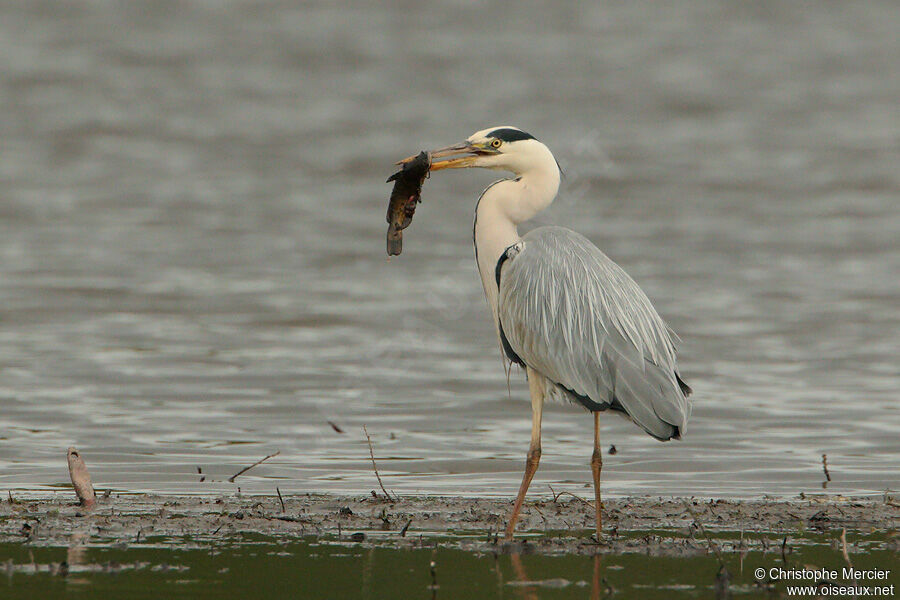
x=503 y=258
x=511 y=251
x=507 y=349
x=507 y=134
x=685 y=388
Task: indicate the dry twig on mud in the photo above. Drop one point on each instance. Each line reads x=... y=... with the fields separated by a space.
x=374 y=466
x=405 y=528
x=256 y=464
x=723 y=577
x=556 y=496
x=702 y=529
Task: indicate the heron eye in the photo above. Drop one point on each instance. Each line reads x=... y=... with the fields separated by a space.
x=495 y=143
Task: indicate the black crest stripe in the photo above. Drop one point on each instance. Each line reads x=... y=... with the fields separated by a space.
x=506 y=134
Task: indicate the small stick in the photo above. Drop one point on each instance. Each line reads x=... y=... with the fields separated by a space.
x=280 y=499
x=825 y=467
x=374 y=467
x=540 y=512
x=405 y=528
x=257 y=463
x=709 y=541
x=335 y=427
x=557 y=495
x=81 y=479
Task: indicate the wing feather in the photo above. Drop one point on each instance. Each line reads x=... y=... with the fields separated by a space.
x=576 y=317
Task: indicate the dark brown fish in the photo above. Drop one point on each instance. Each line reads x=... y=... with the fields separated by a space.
x=406 y=194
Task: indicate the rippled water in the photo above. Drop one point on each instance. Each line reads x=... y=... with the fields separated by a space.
x=192 y=268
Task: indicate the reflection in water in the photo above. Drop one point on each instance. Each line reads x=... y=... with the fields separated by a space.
x=525 y=591
x=76 y=556
x=528 y=589
x=314 y=569
x=433 y=586
x=499 y=575
x=595 y=580
x=75 y=552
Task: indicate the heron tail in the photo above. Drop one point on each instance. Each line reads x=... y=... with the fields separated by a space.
x=653 y=399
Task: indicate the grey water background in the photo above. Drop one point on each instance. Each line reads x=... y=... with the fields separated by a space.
x=192 y=264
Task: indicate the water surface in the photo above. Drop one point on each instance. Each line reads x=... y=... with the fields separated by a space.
x=192 y=268
x=312 y=569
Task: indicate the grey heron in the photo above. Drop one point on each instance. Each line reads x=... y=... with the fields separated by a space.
x=572 y=318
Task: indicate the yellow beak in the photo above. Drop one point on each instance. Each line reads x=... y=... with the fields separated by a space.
x=450 y=158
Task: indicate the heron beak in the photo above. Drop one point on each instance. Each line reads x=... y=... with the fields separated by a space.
x=447 y=157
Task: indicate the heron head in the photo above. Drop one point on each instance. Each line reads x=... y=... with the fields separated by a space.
x=503 y=148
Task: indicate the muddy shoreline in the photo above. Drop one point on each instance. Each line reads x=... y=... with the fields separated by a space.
x=561 y=525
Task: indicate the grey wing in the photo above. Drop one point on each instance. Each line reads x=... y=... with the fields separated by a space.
x=569 y=312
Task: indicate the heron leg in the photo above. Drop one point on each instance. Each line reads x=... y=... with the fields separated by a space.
x=536 y=386
x=596 y=467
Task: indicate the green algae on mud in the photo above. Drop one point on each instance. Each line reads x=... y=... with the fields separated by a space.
x=327 y=547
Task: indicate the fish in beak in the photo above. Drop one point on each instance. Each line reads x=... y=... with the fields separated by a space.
x=408 y=182
x=406 y=194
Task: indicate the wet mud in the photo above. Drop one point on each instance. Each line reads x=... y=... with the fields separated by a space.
x=560 y=524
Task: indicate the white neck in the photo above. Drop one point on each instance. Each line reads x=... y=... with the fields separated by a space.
x=501 y=208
